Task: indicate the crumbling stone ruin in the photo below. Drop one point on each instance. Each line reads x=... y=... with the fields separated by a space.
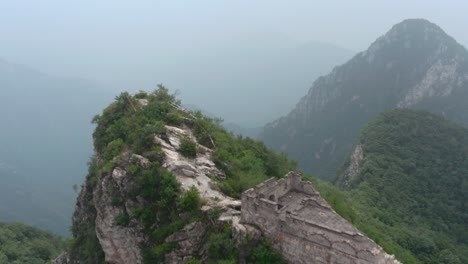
x=303 y=227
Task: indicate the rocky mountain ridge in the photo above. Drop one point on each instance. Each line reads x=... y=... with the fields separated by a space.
x=415 y=65
x=124 y=213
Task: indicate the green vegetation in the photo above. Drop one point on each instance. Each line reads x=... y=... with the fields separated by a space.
x=222 y=249
x=126 y=125
x=262 y=253
x=84 y=246
x=188 y=148
x=411 y=193
x=24 y=244
x=245 y=161
x=190 y=200
x=222 y=246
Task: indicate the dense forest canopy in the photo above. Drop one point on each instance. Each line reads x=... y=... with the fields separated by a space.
x=411 y=189
x=21 y=244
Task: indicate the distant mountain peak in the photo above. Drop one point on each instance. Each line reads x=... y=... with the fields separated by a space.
x=414 y=65
x=417 y=24
x=415 y=36
x=417 y=30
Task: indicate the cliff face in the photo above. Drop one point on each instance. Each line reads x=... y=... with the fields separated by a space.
x=112 y=203
x=151 y=194
x=415 y=65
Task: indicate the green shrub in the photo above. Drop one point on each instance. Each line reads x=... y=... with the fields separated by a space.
x=188 y=147
x=158 y=253
x=116 y=200
x=174 y=119
x=190 y=200
x=113 y=149
x=168 y=229
x=141 y=95
x=122 y=220
x=193 y=261
x=214 y=213
x=222 y=246
x=262 y=253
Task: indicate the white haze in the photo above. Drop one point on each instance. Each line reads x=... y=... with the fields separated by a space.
x=189 y=45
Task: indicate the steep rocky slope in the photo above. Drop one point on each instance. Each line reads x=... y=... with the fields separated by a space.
x=155 y=192
x=415 y=65
x=408 y=176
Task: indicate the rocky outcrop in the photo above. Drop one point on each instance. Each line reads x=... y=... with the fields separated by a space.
x=190 y=241
x=353 y=168
x=62 y=259
x=196 y=171
x=107 y=202
x=119 y=241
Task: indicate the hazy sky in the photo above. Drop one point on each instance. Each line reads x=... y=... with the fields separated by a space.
x=129 y=42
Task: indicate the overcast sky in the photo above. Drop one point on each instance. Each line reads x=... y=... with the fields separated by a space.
x=128 y=41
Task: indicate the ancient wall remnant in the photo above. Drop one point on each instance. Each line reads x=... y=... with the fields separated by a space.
x=303 y=227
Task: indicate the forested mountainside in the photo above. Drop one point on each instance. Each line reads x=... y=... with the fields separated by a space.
x=415 y=65
x=408 y=178
x=45 y=143
x=21 y=244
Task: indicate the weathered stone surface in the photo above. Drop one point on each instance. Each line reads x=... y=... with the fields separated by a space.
x=189 y=240
x=118 y=174
x=141 y=161
x=62 y=259
x=242 y=232
x=193 y=171
x=121 y=244
x=353 y=168
x=142 y=102
x=303 y=227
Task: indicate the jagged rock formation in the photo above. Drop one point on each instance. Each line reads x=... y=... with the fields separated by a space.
x=353 y=168
x=190 y=241
x=416 y=64
x=121 y=243
x=303 y=227
x=62 y=259
x=193 y=171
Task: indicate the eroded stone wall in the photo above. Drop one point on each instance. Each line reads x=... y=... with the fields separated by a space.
x=303 y=227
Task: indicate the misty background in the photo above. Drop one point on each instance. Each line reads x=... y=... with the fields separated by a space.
x=249 y=62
